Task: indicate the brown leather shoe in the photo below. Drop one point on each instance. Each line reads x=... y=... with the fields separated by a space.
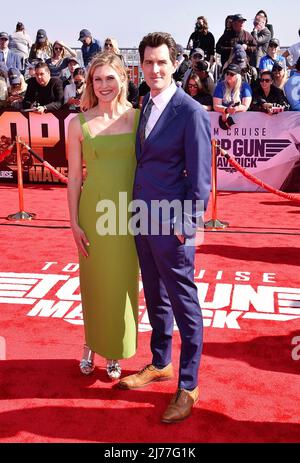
x=181 y=405
x=147 y=375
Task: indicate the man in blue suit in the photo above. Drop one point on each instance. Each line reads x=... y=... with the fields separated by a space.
x=173 y=149
x=8 y=58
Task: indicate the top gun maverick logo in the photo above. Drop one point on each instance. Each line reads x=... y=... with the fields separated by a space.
x=224 y=305
x=248 y=152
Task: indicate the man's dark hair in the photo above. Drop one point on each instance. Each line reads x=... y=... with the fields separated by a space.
x=156 y=39
x=41 y=65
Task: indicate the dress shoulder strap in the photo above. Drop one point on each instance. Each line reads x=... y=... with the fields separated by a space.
x=84 y=126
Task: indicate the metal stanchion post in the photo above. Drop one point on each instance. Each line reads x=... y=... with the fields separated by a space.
x=21 y=215
x=214 y=223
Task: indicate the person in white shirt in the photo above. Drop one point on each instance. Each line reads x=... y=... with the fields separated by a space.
x=292 y=54
x=74 y=91
x=20 y=42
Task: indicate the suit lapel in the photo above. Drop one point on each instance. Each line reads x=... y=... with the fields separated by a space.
x=168 y=114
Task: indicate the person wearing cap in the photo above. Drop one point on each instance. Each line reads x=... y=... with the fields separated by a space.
x=267 y=62
x=279 y=75
x=262 y=36
x=8 y=58
x=67 y=73
x=196 y=55
x=292 y=88
x=16 y=90
x=231 y=96
x=202 y=38
x=41 y=48
x=237 y=34
x=239 y=56
x=20 y=42
x=44 y=93
x=59 y=59
x=268 y=98
x=205 y=76
x=89 y=47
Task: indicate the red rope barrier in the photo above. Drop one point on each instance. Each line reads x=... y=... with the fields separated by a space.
x=46 y=164
x=256 y=180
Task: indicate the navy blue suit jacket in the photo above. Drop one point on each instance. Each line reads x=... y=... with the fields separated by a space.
x=175 y=160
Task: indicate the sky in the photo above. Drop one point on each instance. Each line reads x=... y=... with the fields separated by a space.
x=128 y=21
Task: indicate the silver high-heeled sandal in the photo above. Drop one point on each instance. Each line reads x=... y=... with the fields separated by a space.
x=113 y=369
x=86 y=364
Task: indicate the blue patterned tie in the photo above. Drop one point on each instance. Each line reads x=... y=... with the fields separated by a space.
x=144 y=120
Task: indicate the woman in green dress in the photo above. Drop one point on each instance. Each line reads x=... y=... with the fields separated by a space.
x=103 y=136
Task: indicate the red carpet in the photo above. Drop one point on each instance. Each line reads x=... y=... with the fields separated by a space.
x=249 y=382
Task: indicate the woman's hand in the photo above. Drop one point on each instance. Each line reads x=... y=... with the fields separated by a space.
x=231 y=110
x=80 y=239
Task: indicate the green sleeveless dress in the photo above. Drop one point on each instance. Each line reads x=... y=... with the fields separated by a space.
x=109 y=275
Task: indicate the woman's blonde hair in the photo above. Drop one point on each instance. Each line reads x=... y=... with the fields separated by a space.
x=114 y=43
x=63 y=54
x=233 y=95
x=89 y=99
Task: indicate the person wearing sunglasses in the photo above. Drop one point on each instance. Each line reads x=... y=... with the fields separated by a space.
x=268 y=98
x=267 y=62
x=195 y=89
x=111 y=46
x=60 y=58
x=231 y=96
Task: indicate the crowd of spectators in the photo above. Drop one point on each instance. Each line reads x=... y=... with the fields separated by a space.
x=250 y=74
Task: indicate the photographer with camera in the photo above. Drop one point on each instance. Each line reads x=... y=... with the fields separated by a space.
x=74 y=91
x=262 y=36
x=268 y=98
x=202 y=38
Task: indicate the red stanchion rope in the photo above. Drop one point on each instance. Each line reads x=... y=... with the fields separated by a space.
x=6 y=152
x=46 y=164
x=256 y=180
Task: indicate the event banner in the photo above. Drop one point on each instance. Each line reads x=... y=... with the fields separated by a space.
x=266 y=146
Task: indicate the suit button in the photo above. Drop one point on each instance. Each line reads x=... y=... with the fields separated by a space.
x=138 y=187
